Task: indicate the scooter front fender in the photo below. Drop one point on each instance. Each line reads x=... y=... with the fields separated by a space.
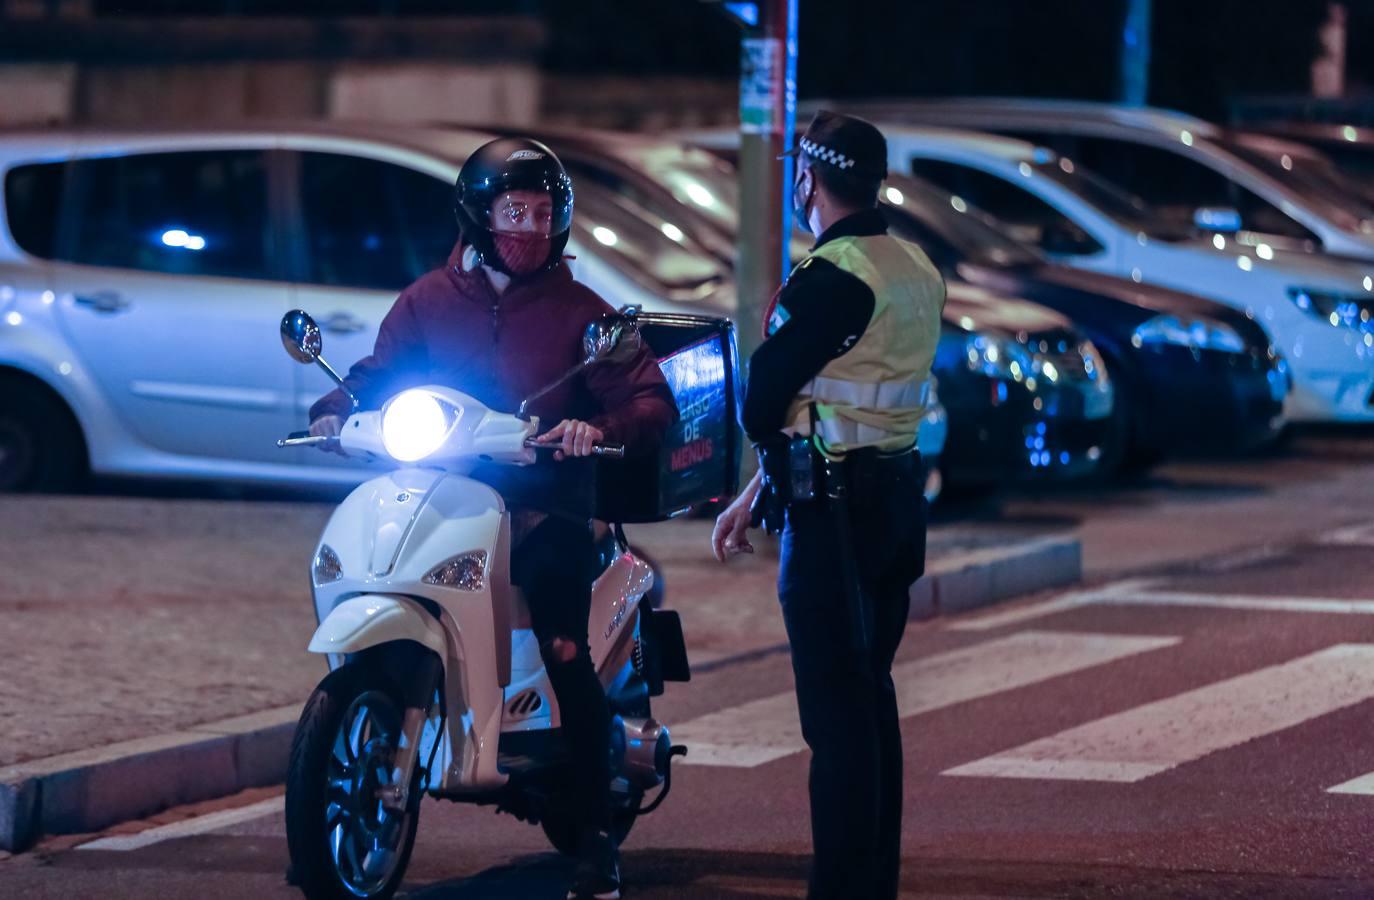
x=372 y=619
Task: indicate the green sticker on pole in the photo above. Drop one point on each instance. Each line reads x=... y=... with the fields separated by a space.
x=760 y=86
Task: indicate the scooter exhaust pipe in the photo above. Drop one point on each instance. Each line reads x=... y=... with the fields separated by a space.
x=643 y=750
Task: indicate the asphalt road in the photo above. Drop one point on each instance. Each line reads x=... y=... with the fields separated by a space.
x=1193 y=722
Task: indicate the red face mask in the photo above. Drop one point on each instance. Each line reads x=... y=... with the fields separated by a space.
x=522 y=252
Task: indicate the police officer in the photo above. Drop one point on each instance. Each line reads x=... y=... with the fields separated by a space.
x=846 y=366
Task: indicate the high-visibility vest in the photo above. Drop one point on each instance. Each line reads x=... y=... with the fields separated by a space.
x=875 y=394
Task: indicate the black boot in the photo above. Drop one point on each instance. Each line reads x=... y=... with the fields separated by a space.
x=597 y=876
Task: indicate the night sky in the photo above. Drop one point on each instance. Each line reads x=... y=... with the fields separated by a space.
x=1205 y=51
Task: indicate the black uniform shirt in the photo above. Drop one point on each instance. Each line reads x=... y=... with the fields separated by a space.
x=818 y=315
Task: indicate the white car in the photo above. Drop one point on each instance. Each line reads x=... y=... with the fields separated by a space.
x=1317 y=309
x=1188 y=169
x=143 y=276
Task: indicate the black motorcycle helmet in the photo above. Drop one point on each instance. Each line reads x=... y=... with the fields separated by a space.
x=511 y=164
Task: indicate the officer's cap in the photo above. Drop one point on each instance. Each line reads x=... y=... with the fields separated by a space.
x=847 y=143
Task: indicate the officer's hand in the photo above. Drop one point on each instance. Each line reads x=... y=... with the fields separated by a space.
x=576 y=436
x=730 y=537
x=328 y=426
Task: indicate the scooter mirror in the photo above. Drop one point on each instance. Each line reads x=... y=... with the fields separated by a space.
x=612 y=338
x=302 y=339
x=301 y=336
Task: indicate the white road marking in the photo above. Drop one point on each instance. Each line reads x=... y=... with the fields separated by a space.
x=1072 y=600
x=199 y=825
x=767 y=729
x=1361 y=535
x=1144 y=741
x=1362 y=785
x=1263 y=602
x=1134 y=593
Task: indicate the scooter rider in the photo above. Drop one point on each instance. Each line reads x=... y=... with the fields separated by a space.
x=846 y=362
x=500 y=321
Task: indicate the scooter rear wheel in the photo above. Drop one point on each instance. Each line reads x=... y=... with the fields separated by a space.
x=563 y=832
x=344 y=844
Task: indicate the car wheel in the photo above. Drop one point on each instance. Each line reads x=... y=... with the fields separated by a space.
x=41 y=448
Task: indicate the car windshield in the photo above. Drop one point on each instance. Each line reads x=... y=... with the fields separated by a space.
x=1314 y=178
x=971 y=233
x=1126 y=209
x=698 y=180
x=663 y=258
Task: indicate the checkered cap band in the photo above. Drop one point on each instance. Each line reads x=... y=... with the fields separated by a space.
x=826 y=155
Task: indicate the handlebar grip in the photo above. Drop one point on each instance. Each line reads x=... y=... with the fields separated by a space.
x=304 y=439
x=613 y=451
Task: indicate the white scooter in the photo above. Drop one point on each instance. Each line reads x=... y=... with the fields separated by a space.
x=436 y=684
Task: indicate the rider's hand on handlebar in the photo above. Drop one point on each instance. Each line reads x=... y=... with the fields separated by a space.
x=327 y=426
x=576 y=436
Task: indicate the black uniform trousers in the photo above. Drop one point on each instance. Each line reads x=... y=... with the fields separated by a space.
x=846 y=699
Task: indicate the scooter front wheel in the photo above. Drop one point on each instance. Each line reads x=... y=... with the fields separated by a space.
x=344 y=843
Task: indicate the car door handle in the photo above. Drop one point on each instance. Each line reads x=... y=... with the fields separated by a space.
x=102 y=302
x=343 y=323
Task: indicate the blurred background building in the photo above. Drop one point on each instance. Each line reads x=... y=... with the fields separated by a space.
x=647 y=65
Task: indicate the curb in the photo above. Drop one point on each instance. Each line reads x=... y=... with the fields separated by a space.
x=88 y=790
x=968 y=581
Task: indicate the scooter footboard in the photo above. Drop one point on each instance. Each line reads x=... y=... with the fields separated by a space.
x=372 y=619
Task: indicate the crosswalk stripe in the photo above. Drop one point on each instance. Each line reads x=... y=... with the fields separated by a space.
x=198 y=825
x=1362 y=785
x=1131 y=593
x=1072 y=600
x=763 y=730
x=1156 y=737
x=1361 y=535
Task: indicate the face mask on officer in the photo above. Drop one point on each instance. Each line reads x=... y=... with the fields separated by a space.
x=520 y=225
x=803 y=195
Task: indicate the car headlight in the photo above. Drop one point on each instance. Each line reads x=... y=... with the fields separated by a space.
x=414 y=425
x=327 y=568
x=1196 y=333
x=1340 y=309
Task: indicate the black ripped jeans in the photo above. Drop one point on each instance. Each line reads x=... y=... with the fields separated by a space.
x=555 y=565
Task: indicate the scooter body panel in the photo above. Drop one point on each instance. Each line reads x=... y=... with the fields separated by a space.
x=393 y=531
x=368 y=620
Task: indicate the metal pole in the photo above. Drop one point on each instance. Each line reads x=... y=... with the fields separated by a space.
x=767 y=110
x=1135 y=53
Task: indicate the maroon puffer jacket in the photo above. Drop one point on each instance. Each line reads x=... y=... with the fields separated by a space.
x=451 y=328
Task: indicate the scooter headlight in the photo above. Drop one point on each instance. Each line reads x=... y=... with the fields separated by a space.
x=414 y=425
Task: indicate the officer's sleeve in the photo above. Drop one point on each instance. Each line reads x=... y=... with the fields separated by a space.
x=826 y=311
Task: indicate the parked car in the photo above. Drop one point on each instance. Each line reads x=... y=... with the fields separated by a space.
x=1171 y=397
x=143 y=276
x=1315 y=309
x=1188 y=170
x=1028 y=396
x=1349 y=149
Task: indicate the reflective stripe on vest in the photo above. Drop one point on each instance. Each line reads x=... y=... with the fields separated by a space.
x=870 y=394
